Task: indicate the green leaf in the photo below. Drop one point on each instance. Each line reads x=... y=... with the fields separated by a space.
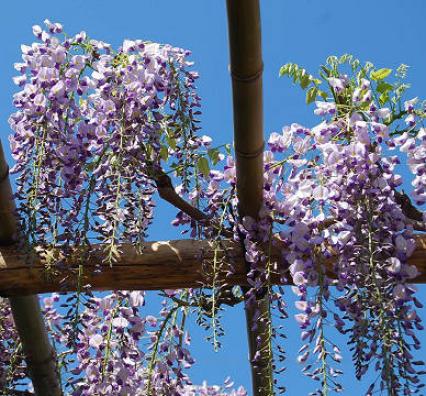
x=332 y=60
x=213 y=155
x=284 y=69
x=114 y=160
x=164 y=153
x=368 y=66
x=322 y=94
x=296 y=74
x=293 y=69
x=171 y=141
x=380 y=74
x=383 y=98
x=383 y=87
x=326 y=71
x=346 y=58
x=289 y=69
x=305 y=81
x=311 y=94
x=355 y=64
x=203 y=166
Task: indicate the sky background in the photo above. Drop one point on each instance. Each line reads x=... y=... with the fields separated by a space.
x=386 y=32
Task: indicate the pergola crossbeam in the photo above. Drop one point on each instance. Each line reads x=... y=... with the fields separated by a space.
x=162 y=265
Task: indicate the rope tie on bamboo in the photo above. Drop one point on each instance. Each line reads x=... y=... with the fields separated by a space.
x=247 y=78
x=252 y=154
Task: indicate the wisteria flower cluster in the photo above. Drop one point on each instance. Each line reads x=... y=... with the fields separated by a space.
x=12 y=366
x=332 y=195
x=120 y=352
x=92 y=129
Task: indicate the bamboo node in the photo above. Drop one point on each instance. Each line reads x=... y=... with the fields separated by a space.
x=251 y=154
x=247 y=78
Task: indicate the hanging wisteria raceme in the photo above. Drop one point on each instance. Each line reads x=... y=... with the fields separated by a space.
x=333 y=191
x=98 y=132
x=12 y=366
x=112 y=358
x=114 y=353
x=92 y=128
x=350 y=209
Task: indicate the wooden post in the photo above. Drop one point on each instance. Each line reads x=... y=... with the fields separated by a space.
x=246 y=71
x=39 y=354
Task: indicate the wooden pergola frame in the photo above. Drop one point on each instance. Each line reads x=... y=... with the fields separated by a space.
x=180 y=260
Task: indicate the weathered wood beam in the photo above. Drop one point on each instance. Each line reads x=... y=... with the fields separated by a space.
x=39 y=354
x=162 y=265
x=245 y=44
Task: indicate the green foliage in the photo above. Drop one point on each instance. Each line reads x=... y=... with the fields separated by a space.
x=203 y=166
x=380 y=74
x=386 y=87
x=301 y=77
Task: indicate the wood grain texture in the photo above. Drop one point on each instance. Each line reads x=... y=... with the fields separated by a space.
x=162 y=265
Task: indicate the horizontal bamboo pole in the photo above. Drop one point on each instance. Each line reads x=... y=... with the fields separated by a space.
x=162 y=265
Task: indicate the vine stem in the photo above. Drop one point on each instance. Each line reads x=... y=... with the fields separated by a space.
x=108 y=339
x=111 y=247
x=382 y=323
x=214 y=280
x=155 y=350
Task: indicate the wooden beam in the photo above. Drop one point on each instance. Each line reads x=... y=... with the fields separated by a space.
x=39 y=354
x=162 y=265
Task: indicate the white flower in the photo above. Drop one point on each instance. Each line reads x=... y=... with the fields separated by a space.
x=120 y=322
x=409 y=104
x=394 y=266
x=95 y=341
x=128 y=45
x=336 y=83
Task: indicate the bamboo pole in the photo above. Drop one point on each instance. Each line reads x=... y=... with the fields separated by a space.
x=162 y=265
x=246 y=71
x=39 y=354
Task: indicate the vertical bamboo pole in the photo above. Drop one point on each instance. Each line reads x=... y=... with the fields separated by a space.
x=246 y=71
x=39 y=354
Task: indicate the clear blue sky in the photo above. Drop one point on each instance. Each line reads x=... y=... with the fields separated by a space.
x=386 y=32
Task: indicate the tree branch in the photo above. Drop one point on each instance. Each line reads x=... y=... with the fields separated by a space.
x=412 y=214
x=160 y=265
x=225 y=296
x=167 y=192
